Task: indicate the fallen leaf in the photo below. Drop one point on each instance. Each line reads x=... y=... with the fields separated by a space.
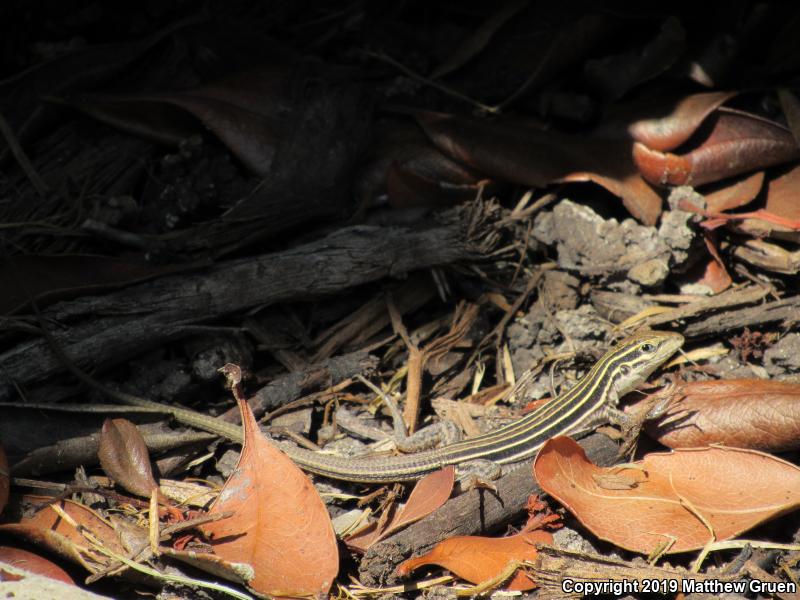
x=736 y=195
x=479 y=559
x=242 y=110
x=737 y=142
x=431 y=492
x=403 y=163
x=746 y=413
x=783 y=195
x=280 y=526
x=47 y=529
x=672 y=490
x=124 y=457
x=33 y=563
x=678 y=124
x=716 y=276
x=516 y=151
x=408 y=189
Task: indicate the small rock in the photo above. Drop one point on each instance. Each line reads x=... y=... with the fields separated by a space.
x=584 y=239
x=685 y=193
x=560 y=290
x=650 y=273
x=583 y=323
x=784 y=356
x=677 y=234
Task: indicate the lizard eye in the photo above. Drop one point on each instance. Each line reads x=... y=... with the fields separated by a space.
x=647 y=347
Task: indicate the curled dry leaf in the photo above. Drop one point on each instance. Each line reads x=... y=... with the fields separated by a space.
x=430 y=493
x=33 y=563
x=738 y=142
x=672 y=491
x=519 y=152
x=280 y=526
x=46 y=528
x=479 y=559
x=679 y=122
x=745 y=413
x=124 y=457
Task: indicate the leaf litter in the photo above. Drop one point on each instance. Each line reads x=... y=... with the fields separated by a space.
x=547 y=179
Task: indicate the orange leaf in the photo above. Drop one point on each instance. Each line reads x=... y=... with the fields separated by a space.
x=431 y=492
x=33 y=563
x=478 y=559
x=46 y=528
x=736 y=195
x=513 y=150
x=667 y=492
x=715 y=276
x=280 y=526
x=746 y=413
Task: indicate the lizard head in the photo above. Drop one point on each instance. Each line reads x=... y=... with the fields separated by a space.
x=633 y=359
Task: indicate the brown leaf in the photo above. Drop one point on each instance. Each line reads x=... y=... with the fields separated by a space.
x=242 y=110
x=401 y=151
x=33 y=563
x=670 y=131
x=736 y=195
x=280 y=525
x=737 y=142
x=746 y=413
x=406 y=189
x=783 y=195
x=673 y=489
x=5 y=479
x=518 y=152
x=431 y=492
x=479 y=559
x=46 y=528
x=124 y=457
